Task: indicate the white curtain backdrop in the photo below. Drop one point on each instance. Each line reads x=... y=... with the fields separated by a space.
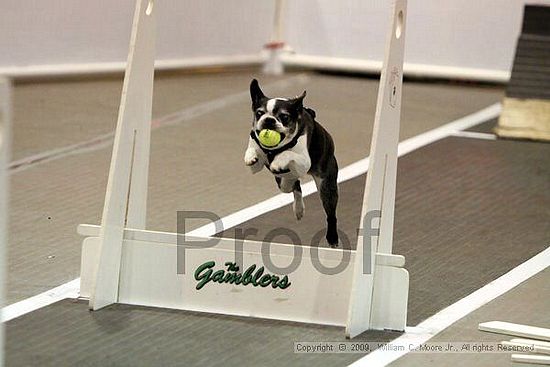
x=471 y=34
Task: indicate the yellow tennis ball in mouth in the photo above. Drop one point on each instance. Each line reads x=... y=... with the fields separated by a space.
x=269 y=138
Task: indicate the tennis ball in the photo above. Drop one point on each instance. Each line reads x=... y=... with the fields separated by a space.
x=269 y=138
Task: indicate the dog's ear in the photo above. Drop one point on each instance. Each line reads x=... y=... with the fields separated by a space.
x=256 y=93
x=310 y=111
x=298 y=102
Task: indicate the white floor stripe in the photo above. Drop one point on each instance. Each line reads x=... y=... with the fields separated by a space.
x=448 y=316
x=444 y=131
x=67 y=290
x=475 y=135
x=187 y=114
x=346 y=173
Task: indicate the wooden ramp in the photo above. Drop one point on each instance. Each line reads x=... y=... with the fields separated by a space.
x=526 y=107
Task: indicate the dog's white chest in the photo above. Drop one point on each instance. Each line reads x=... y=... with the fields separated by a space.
x=295 y=159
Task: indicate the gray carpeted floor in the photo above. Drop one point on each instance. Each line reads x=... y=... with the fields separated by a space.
x=467 y=210
x=50 y=199
x=452 y=224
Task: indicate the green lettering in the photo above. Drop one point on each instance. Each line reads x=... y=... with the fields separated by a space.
x=274 y=280
x=205 y=277
x=284 y=283
x=247 y=276
x=265 y=280
x=257 y=276
x=232 y=266
x=232 y=278
x=218 y=276
x=238 y=278
x=204 y=274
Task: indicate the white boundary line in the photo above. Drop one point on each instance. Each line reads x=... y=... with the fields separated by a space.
x=430 y=327
x=71 y=288
x=475 y=135
x=67 y=290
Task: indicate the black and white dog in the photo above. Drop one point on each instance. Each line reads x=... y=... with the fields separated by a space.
x=305 y=148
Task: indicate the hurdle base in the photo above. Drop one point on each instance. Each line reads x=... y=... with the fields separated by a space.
x=389 y=311
x=273 y=64
x=149 y=277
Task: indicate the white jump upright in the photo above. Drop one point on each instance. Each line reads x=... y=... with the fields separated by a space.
x=5 y=139
x=379 y=294
x=122 y=262
x=126 y=196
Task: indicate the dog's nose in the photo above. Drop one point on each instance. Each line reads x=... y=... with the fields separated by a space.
x=269 y=123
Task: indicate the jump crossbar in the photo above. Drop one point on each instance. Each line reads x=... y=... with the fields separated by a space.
x=195 y=242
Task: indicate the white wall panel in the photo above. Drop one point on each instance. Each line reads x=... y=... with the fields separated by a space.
x=39 y=32
x=479 y=34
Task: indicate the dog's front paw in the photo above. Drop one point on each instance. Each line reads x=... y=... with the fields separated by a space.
x=250 y=157
x=252 y=160
x=280 y=166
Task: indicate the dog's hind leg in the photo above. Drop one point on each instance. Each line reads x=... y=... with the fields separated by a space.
x=286 y=184
x=298 y=205
x=328 y=190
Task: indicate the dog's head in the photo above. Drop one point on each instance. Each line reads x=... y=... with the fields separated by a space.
x=280 y=114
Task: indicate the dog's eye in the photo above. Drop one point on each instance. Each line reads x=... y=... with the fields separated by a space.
x=284 y=118
x=259 y=114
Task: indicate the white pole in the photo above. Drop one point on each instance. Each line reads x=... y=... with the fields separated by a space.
x=379 y=194
x=5 y=139
x=278 y=20
x=273 y=64
x=126 y=195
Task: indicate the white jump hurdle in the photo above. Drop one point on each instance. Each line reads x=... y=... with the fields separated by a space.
x=5 y=139
x=124 y=263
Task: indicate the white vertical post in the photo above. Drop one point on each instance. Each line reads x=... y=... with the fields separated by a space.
x=5 y=139
x=274 y=65
x=379 y=194
x=278 y=20
x=126 y=195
